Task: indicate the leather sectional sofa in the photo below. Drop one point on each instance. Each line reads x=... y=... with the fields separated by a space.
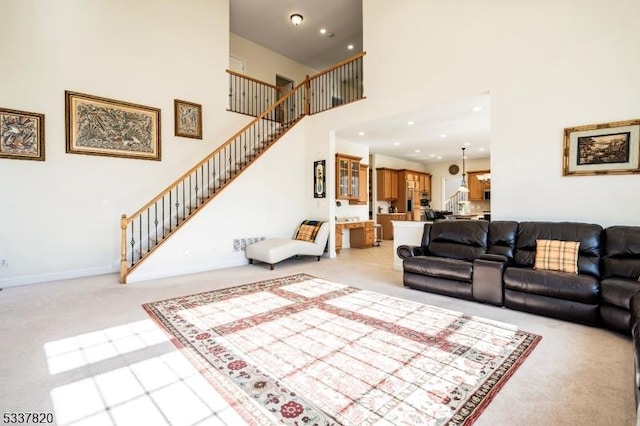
x=494 y=262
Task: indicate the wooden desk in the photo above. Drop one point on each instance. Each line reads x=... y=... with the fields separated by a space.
x=361 y=234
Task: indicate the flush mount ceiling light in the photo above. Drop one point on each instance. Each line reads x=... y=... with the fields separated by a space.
x=296 y=19
x=350 y=47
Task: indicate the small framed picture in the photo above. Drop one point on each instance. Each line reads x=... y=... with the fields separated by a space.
x=21 y=135
x=319 y=179
x=601 y=149
x=188 y=119
x=101 y=126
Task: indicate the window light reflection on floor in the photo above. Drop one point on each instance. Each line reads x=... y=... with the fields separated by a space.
x=164 y=390
x=84 y=349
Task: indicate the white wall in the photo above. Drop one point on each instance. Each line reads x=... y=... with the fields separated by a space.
x=264 y=64
x=547 y=64
x=60 y=218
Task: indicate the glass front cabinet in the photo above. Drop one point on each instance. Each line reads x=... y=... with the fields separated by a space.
x=347 y=177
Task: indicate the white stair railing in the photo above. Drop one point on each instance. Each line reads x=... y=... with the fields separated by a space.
x=456 y=203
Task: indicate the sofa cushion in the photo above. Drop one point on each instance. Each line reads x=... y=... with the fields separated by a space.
x=502 y=238
x=589 y=236
x=559 y=285
x=618 y=291
x=554 y=255
x=621 y=252
x=441 y=267
x=459 y=239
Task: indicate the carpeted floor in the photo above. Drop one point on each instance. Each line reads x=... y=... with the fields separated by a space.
x=85 y=349
x=304 y=350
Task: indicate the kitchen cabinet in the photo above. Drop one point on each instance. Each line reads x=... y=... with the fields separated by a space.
x=387 y=180
x=363 y=190
x=476 y=187
x=347 y=177
x=385 y=219
x=425 y=183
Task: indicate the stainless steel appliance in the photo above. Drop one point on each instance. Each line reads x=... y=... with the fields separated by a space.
x=486 y=195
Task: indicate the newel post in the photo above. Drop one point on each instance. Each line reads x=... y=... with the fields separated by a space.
x=123 y=249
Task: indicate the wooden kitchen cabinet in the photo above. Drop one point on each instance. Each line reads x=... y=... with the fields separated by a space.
x=347 y=177
x=477 y=188
x=385 y=220
x=363 y=191
x=387 y=180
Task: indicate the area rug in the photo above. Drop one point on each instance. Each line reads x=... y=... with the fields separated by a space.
x=302 y=350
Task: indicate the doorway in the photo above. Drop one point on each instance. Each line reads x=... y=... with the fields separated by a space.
x=285 y=85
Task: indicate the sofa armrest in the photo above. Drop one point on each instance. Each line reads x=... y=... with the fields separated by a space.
x=493 y=258
x=487 y=280
x=405 y=251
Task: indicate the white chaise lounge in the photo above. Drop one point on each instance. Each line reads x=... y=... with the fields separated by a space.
x=309 y=239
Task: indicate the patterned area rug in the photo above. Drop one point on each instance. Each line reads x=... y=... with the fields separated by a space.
x=301 y=350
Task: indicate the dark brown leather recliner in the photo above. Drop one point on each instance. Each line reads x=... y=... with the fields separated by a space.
x=450 y=251
x=574 y=297
x=620 y=273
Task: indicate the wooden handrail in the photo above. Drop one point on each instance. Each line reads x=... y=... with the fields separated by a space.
x=333 y=68
x=214 y=152
x=255 y=80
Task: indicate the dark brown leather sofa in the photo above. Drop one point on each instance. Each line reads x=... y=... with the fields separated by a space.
x=492 y=262
x=573 y=297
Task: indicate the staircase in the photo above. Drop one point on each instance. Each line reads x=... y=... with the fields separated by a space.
x=456 y=202
x=154 y=223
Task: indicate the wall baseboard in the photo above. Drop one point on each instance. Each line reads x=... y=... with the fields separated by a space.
x=230 y=262
x=56 y=276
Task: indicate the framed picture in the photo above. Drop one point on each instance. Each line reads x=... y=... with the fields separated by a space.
x=601 y=149
x=319 y=179
x=21 y=135
x=187 y=119
x=101 y=126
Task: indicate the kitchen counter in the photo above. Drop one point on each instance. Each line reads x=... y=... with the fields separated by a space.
x=386 y=219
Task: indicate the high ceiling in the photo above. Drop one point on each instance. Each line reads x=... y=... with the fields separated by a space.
x=267 y=23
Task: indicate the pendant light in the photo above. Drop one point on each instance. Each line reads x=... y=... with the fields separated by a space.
x=463 y=184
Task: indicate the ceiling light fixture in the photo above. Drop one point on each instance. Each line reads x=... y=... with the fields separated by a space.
x=360 y=133
x=417 y=150
x=296 y=19
x=323 y=31
x=411 y=123
x=463 y=184
x=350 y=47
x=443 y=136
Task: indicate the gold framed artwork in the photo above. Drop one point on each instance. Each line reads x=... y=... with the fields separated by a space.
x=21 y=135
x=101 y=126
x=187 y=119
x=602 y=149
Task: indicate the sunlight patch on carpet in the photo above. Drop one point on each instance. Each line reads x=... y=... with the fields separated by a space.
x=304 y=350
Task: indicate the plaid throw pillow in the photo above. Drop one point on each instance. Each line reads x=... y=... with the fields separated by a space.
x=554 y=255
x=308 y=230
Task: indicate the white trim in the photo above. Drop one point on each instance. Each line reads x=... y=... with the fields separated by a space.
x=231 y=262
x=56 y=276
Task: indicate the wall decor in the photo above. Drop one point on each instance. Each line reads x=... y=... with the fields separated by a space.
x=319 y=183
x=101 y=126
x=601 y=149
x=21 y=135
x=187 y=119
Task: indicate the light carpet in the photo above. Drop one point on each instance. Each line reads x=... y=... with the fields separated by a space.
x=304 y=350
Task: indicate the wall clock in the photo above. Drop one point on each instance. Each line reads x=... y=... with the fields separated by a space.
x=454 y=169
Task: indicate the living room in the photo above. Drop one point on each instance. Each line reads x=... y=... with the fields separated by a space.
x=547 y=67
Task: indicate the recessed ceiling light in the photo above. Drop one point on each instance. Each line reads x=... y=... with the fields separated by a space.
x=467 y=143
x=478 y=108
x=417 y=150
x=411 y=123
x=360 y=133
x=350 y=47
x=432 y=155
x=443 y=136
x=481 y=149
x=439 y=157
x=396 y=143
x=323 y=30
